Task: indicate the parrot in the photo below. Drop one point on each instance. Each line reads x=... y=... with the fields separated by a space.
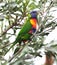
x=27 y=30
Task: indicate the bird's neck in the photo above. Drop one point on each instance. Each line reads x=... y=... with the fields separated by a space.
x=33 y=18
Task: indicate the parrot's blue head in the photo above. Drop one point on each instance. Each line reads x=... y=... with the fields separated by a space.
x=33 y=14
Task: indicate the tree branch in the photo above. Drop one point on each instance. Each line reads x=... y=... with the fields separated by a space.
x=14 y=24
x=18 y=52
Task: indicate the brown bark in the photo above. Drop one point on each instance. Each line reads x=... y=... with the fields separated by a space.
x=49 y=58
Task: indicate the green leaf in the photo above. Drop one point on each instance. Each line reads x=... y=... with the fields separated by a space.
x=32 y=6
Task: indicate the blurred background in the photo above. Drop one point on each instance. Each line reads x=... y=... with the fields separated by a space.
x=13 y=14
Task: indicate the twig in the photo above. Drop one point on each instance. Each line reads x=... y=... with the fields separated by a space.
x=18 y=52
x=46 y=30
x=14 y=24
x=4 y=46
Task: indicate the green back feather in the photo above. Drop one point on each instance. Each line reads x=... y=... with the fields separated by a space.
x=24 y=31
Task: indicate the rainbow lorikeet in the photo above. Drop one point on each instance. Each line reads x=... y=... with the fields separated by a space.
x=27 y=30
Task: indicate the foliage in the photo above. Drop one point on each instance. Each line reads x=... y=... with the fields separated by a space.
x=12 y=17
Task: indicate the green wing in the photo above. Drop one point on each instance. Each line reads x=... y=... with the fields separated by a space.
x=23 y=34
x=25 y=29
